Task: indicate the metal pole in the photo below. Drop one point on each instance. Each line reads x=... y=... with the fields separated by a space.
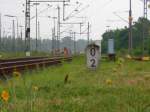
x=0 y=31
x=13 y=35
x=27 y=27
x=17 y=34
x=80 y=28
x=69 y=44
x=88 y=33
x=145 y=9
x=21 y=33
x=143 y=33
x=36 y=28
x=4 y=33
x=54 y=35
x=21 y=37
x=63 y=11
x=52 y=41
x=74 y=43
x=58 y=28
x=130 y=28
x=39 y=37
x=143 y=25
x=17 y=27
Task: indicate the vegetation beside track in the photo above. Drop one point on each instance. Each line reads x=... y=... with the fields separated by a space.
x=121 y=86
x=6 y=55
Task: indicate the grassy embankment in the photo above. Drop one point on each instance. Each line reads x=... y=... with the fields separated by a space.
x=122 y=86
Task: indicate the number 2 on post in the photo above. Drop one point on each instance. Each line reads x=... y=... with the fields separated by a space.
x=92 y=62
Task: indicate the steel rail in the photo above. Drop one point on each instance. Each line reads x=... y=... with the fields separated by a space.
x=8 y=68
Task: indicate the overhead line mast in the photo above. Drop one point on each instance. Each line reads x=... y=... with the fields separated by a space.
x=130 y=27
x=58 y=28
x=145 y=8
x=0 y=31
x=143 y=32
x=27 y=26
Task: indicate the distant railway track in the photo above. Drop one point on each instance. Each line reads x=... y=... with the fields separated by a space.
x=8 y=67
x=20 y=59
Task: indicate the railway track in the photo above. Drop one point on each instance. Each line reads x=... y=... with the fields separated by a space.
x=8 y=67
x=20 y=59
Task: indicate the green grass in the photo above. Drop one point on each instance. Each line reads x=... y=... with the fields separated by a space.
x=9 y=55
x=85 y=91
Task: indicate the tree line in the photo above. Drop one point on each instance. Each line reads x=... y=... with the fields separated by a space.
x=140 y=38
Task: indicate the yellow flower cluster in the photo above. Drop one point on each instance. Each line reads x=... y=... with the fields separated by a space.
x=35 y=88
x=5 y=95
x=16 y=74
x=114 y=70
x=109 y=81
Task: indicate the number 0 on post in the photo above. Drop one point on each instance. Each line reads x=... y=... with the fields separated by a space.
x=93 y=55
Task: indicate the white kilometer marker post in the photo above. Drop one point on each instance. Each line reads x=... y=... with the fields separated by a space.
x=93 y=56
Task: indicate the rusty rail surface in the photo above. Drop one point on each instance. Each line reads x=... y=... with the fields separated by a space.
x=9 y=66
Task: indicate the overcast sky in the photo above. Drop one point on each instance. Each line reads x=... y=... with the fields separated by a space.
x=100 y=13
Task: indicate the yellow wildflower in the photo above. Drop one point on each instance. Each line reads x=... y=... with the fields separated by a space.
x=16 y=74
x=128 y=56
x=114 y=70
x=109 y=81
x=35 y=88
x=5 y=95
x=147 y=77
